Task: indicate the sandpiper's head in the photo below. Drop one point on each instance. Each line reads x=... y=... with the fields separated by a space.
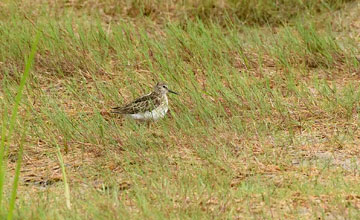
x=162 y=88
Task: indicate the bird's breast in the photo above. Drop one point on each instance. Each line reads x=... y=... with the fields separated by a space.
x=157 y=113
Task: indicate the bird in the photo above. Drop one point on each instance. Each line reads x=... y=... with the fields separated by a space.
x=149 y=107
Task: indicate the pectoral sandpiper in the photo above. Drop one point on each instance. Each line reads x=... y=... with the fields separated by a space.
x=152 y=106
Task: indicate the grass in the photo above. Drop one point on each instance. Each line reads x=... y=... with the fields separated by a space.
x=265 y=126
x=9 y=135
x=66 y=185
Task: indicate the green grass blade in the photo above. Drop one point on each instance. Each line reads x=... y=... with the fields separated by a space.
x=16 y=178
x=2 y=150
x=67 y=189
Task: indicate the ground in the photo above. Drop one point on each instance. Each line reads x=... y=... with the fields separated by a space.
x=265 y=126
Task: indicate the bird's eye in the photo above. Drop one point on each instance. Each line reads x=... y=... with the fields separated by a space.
x=164 y=87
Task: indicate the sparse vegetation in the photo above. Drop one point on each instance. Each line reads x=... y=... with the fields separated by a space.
x=266 y=125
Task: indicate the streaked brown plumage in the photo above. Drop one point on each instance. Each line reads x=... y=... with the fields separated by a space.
x=151 y=106
x=142 y=104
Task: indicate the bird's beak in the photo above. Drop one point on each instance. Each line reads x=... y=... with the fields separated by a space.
x=173 y=92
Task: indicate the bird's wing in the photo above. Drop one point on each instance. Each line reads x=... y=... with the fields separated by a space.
x=141 y=104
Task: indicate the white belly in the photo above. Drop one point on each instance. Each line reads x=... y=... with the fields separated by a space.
x=156 y=114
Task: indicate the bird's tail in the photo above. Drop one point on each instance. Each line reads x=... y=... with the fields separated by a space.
x=116 y=110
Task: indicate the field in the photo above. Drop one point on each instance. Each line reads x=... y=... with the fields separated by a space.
x=265 y=126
